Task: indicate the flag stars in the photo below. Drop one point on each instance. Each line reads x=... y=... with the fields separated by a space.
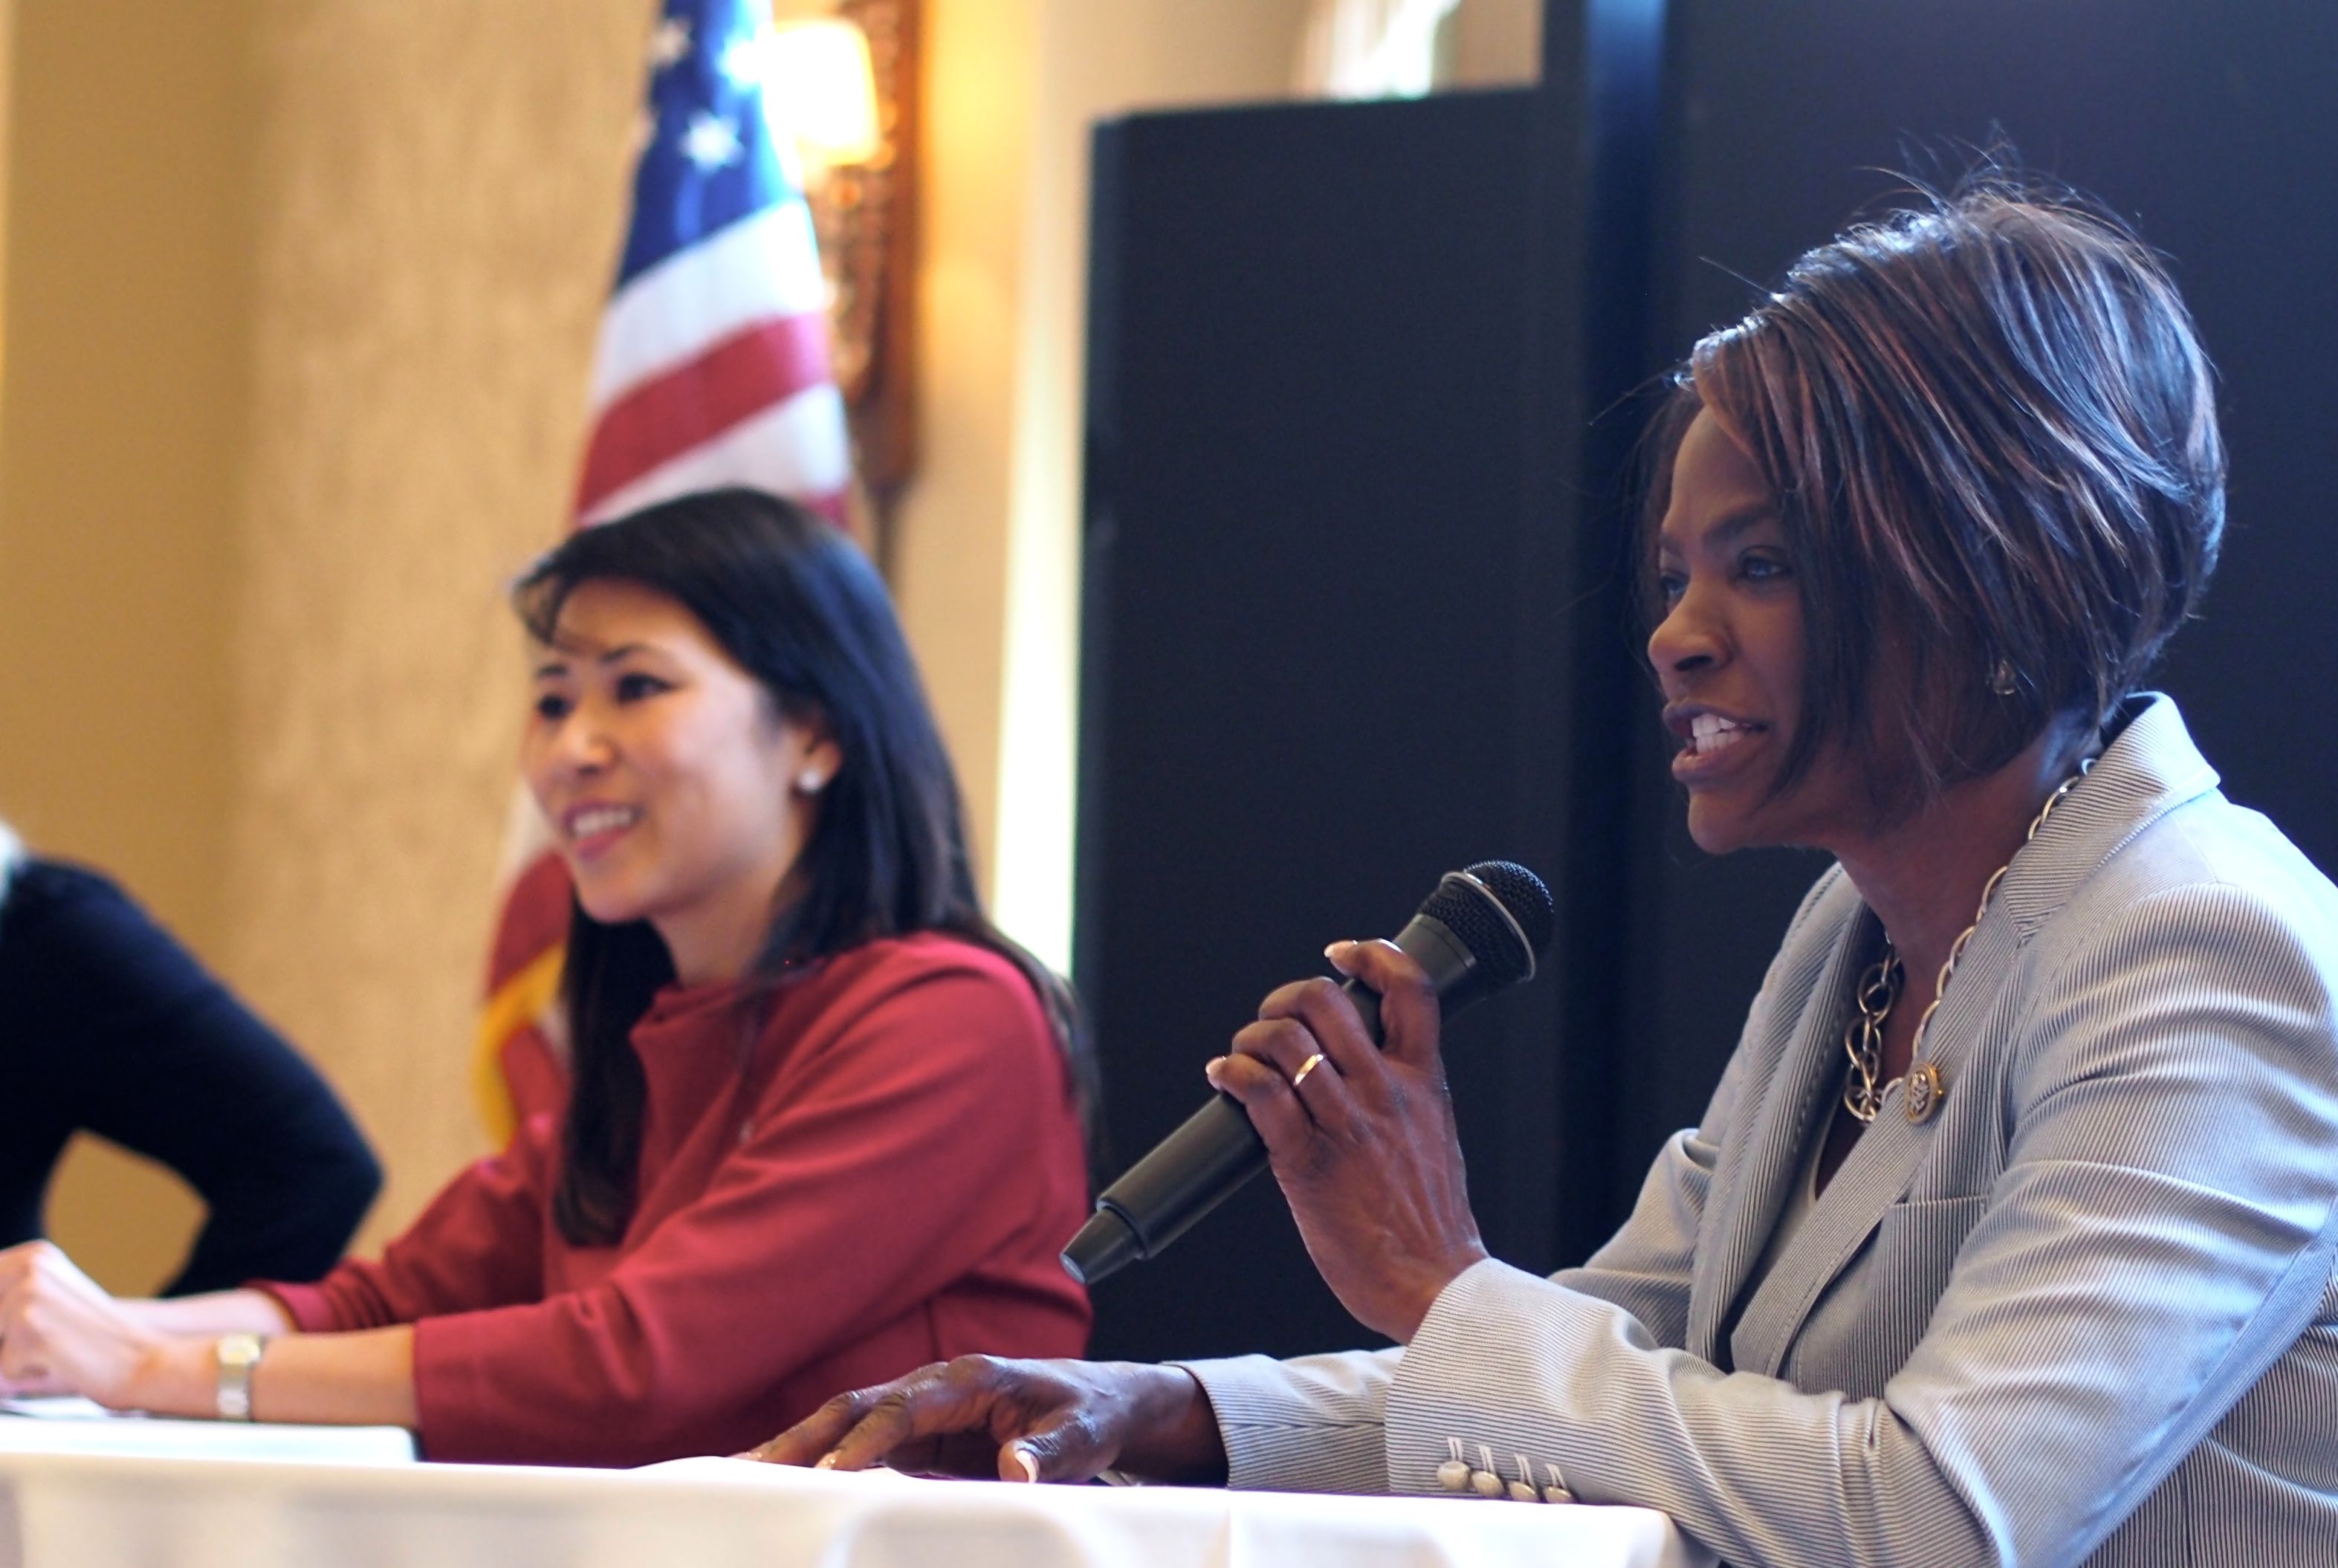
x=711 y=143
x=670 y=44
x=741 y=63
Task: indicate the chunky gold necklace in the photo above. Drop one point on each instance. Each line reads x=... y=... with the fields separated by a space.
x=1862 y=1039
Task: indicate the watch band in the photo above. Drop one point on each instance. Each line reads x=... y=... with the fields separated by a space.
x=238 y=1354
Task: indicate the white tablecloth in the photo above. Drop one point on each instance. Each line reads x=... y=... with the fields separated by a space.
x=86 y=1511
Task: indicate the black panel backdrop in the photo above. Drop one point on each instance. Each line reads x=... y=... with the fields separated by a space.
x=1355 y=605
x=1304 y=470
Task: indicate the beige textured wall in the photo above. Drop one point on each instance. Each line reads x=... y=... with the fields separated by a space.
x=118 y=429
x=119 y=423
x=949 y=550
x=440 y=186
x=1497 y=42
x=304 y=294
x=8 y=72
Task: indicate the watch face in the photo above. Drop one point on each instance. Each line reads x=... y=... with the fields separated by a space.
x=237 y=1354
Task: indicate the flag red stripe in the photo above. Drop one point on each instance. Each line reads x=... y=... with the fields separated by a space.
x=667 y=415
x=833 y=504
x=535 y=918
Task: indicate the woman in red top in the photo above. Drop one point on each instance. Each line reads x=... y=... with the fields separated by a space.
x=824 y=1125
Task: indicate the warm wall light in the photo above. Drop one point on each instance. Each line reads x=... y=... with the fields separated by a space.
x=839 y=80
x=821 y=90
x=839 y=87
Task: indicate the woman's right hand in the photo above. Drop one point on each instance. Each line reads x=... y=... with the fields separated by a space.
x=1017 y=1420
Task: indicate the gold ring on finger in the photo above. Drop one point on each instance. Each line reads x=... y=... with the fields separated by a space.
x=1305 y=1068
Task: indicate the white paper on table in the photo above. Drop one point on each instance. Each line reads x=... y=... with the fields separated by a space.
x=56 y=1408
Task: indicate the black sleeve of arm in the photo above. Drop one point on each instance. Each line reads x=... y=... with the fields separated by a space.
x=166 y=1062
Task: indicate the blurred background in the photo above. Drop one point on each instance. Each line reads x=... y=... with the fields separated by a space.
x=1245 y=396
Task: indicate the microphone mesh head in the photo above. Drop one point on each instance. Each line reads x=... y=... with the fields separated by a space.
x=1493 y=941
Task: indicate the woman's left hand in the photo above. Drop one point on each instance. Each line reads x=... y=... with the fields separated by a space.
x=1362 y=1141
x=60 y=1333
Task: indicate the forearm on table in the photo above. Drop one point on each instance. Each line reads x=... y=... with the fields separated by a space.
x=219 y=1312
x=361 y=1380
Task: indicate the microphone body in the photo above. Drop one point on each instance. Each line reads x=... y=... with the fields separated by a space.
x=1200 y=1165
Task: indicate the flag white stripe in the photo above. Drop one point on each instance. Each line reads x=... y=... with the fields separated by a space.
x=526 y=835
x=757 y=268
x=795 y=447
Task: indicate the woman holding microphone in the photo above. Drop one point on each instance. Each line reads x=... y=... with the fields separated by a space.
x=825 y=1117
x=2007 y=1234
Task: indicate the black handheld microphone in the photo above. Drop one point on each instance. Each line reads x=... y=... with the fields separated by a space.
x=1479 y=931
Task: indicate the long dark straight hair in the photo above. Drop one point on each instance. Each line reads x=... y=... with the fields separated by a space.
x=802 y=612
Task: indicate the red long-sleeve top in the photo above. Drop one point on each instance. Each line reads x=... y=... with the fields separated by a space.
x=879 y=1175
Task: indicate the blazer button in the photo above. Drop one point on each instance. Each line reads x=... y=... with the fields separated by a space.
x=1486 y=1480
x=1454 y=1474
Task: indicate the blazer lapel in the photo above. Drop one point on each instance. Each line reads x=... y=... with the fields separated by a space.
x=2151 y=768
x=1873 y=1176
x=1750 y=1186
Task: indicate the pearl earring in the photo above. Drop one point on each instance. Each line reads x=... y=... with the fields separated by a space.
x=2003 y=680
x=811 y=781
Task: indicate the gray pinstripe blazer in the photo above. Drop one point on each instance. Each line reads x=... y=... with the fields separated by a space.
x=2084 y=1313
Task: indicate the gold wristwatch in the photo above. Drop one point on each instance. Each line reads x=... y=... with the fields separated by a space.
x=238 y=1355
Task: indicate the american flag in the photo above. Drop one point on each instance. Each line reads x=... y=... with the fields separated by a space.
x=714 y=366
x=712 y=371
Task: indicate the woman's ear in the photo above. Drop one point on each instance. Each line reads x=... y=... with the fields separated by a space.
x=822 y=756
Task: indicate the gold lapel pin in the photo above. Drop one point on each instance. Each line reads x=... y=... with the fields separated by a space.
x=1926 y=1090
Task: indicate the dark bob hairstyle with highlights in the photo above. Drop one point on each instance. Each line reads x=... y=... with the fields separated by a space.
x=1991 y=431
x=801 y=608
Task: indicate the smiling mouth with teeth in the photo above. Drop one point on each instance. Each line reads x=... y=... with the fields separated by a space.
x=587 y=823
x=1709 y=734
